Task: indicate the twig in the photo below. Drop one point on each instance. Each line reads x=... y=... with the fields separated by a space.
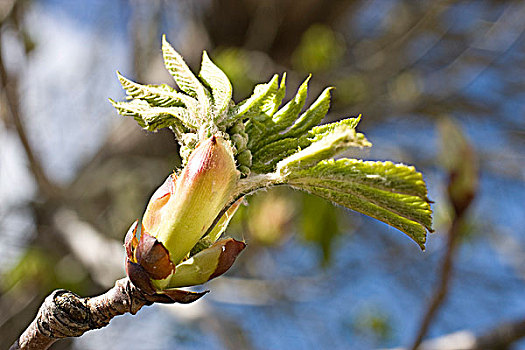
x=500 y=337
x=461 y=190
x=64 y=314
x=442 y=289
x=9 y=86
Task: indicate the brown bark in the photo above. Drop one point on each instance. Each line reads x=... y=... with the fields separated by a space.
x=64 y=314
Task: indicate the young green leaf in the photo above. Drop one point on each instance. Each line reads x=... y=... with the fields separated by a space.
x=154 y=118
x=253 y=105
x=312 y=116
x=265 y=159
x=392 y=193
x=185 y=78
x=261 y=106
x=318 y=132
x=388 y=176
x=281 y=120
x=220 y=86
x=324 y=146
x=289 y=113
x=156 y=95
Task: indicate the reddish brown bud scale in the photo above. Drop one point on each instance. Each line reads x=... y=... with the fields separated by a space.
x=230 y=250
x=181 y=296
x=153 y=257
x=139 y=277
x=131 y=241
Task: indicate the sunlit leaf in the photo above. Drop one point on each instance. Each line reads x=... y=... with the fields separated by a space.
x=157 y=95
x=219 y=84
x=185 y=78
x=392 y=193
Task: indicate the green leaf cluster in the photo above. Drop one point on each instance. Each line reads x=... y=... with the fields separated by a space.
x=280 y=145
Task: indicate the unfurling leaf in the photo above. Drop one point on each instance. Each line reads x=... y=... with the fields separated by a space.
x=156 y=95
x=262 y=100
x=220 y=86
x=392 y=193
x=185 y=78
x=324 y=146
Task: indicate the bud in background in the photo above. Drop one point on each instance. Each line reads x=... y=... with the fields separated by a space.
x=179 y=215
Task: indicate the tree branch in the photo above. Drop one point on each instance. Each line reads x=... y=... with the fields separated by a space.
x=498 y=338
x=9 y=85
x=463 y=175
x=64 y=314
x=442 y=288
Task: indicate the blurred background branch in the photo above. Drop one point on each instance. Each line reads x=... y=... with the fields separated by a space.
x=12 y=102
x=460 y=161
